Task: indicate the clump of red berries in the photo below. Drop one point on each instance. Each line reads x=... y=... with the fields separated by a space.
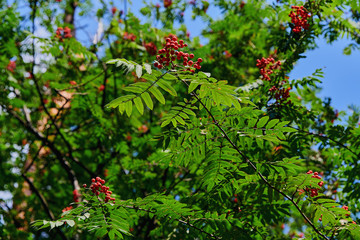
x=347 y=209
x=113 y=10
x=167 y=3
x=151 y=48
x=171 y=52
x=76 y=195
x=97 y=187
x=67 y=209
x=299 y=18
x=281 y=94
x=227 y=54
x=11 y=66
x=62 y=33
x=129 y=36
x=314 y=191
x=267 y=67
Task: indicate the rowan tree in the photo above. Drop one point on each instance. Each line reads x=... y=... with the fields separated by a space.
x=141 y=132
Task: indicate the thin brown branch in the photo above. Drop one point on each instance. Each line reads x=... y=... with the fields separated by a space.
x=179 y=220
x=43 y=203
x=64 y=163
x=251 y=164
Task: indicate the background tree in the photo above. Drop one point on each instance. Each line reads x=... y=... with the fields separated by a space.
x=191 y=155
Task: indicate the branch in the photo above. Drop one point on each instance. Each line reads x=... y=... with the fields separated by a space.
x=331 y=139
x=64 y=163
x=43 y=203
x=247 y=160
x=179 y=220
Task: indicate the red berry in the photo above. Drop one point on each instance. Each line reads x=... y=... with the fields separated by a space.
x=192 y=55
x=84 y=185
x=199 y=60
x=93 y=180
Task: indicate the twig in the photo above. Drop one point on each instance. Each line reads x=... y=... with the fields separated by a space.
x=247 y=160
x=43 y=203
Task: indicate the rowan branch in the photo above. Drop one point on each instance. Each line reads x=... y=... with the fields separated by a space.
x=247 y=160
x=43 y=203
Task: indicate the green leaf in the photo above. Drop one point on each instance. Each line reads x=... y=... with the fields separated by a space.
x=272 y=123
x=121 y=108
x=157 y=94
x=100 y=232
x=139 y=105
x=236 y=103
x=169 y=76
x=174 y=122
x=111 y=234
x=167 y=87
x=128 y=108
x=192 y=86
x=180 y=120
x=262 y=121
x=166 y=122
x=288 y=129
x=147 y=99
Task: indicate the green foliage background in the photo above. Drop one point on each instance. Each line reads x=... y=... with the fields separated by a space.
x=193 y=156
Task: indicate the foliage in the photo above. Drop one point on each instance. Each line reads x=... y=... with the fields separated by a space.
x=216 y=153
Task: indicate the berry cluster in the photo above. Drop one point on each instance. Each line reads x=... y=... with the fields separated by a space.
x=151 y=48
x=299 y=18
x=170 y=53
x=314 y=191
x=67 y=209
x=227 y=54
x=113 y=10
x=347 y=209
x=63 y=33
x=336 y=115
x=129 y=36
x=97 y=187
x=167 y=3
x=281 y=95
x=76 y=195
x=267 y=67
x=11 y=66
